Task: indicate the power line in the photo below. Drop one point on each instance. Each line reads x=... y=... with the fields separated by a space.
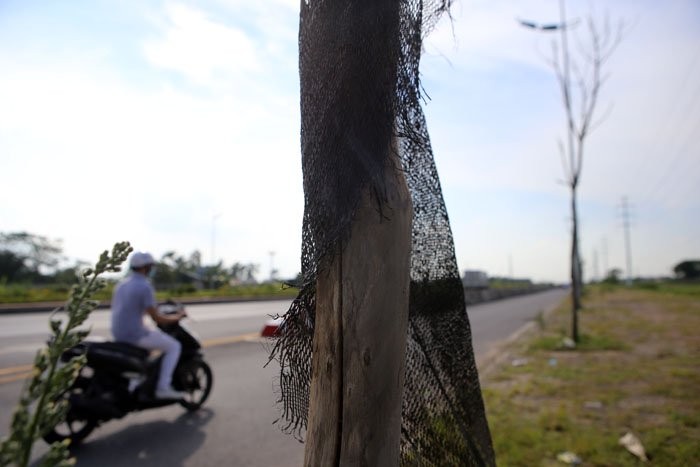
x=672 y=111
x=673 y=168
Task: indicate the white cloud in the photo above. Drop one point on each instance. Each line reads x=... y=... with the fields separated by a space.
x=201 y=48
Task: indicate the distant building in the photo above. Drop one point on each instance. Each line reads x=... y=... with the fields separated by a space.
x=475 y=280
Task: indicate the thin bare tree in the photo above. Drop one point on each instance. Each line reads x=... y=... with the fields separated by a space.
x=580 y=77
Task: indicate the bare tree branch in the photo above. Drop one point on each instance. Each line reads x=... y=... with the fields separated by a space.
x=595 y=124
x=564 y=163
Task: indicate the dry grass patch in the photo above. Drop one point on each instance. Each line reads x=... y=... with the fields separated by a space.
x=637 y=369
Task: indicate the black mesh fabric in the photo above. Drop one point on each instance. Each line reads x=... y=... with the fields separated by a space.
x=359 y=75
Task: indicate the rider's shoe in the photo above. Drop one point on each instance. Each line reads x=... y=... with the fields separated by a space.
x=169 y=393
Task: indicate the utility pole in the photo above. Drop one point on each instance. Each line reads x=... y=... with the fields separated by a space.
x=604 y=247
x=510 y=266
x=213 y=237
x=272 y=266
x=625 y=213
x=595 y=265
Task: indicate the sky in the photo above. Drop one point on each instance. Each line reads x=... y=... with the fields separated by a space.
x=175 y=125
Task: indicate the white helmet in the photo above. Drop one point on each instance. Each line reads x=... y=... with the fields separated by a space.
x=139 y=260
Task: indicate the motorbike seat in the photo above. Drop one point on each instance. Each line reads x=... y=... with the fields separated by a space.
x=122 y=355
x=124 y=347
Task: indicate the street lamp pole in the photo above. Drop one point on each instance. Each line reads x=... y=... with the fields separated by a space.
x=213 y=248
x=213 y=237
x=567 y=81
x=562 y=26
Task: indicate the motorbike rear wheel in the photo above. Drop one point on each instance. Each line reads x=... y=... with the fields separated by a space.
x=196 y=380
x=75 y=427
x=72 y=428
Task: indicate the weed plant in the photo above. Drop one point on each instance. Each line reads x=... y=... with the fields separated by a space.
x=41 y=406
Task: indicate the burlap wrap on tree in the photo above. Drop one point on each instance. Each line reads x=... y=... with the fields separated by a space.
x=359 y=73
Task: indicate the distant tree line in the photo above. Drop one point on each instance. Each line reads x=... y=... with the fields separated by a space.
x=175 y=272
x=34 y=259
x=31 y=259
x=688 y=269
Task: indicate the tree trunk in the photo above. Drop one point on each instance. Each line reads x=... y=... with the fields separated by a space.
x=575 y=269
x=360 y=337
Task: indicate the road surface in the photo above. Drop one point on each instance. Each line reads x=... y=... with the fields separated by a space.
x=236 y=426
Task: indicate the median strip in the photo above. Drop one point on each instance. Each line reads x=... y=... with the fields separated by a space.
x=15 y=373
x=217 y=341
x=15 y=369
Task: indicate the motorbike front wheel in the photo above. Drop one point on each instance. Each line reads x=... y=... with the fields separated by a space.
x=196 y=379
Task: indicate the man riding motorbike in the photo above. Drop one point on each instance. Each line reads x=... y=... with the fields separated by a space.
x=134 y=297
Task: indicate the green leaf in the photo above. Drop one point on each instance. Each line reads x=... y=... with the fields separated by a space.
x=58 y=456
x=56 y=326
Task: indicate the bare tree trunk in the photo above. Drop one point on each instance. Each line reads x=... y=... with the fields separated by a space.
x=575 y=269
x=360 y=337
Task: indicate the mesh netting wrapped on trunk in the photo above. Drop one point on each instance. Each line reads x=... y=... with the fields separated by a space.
x=359 y=73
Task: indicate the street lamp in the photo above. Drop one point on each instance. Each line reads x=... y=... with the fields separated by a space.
x=547 y=27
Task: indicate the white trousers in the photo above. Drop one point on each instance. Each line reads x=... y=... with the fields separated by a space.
x=158 y=340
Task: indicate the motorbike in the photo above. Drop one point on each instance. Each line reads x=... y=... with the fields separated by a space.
x=120 y=378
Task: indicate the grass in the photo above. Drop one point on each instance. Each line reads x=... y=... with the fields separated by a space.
x=22 y=293
x=587 y=342
x=270 y=290
x=18 y=293
x=637 y=369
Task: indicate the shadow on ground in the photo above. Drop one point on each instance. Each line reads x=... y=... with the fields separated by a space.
x=143 y=444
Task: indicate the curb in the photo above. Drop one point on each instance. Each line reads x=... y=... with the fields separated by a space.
x=498 y=354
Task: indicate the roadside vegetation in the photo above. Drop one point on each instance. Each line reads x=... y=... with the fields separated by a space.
x=19 y=293
x=33 y=269
x=635 y=370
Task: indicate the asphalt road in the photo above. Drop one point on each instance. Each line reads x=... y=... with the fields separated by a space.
x=236 y=425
